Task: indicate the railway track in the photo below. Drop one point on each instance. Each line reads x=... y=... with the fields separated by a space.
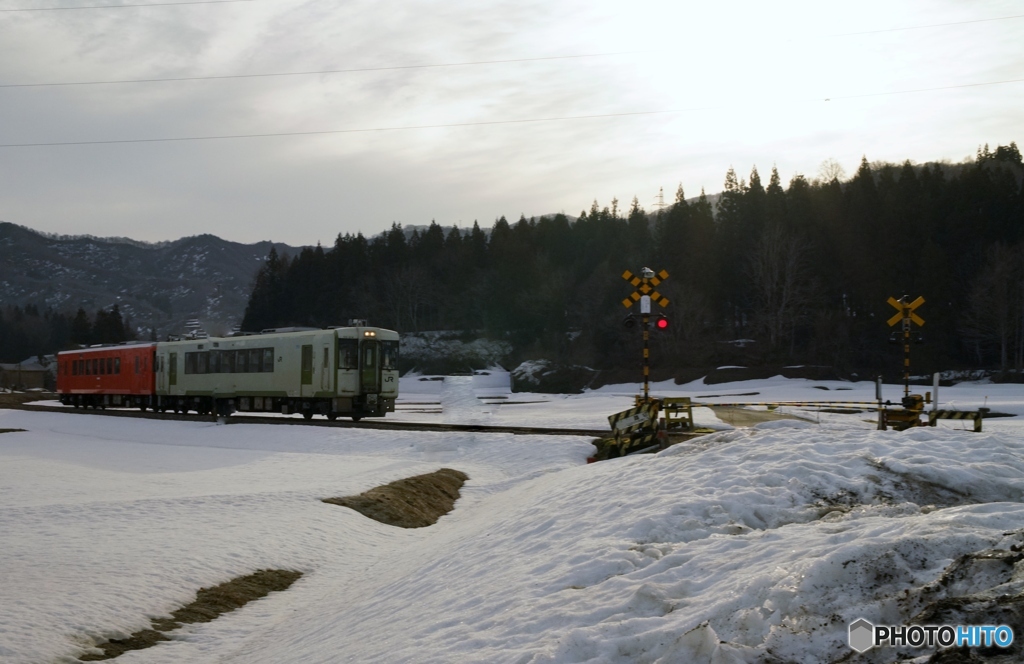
x=320 y=422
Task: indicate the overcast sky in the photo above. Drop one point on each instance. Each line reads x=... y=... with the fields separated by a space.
x=681 y=91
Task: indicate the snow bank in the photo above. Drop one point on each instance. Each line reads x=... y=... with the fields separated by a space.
x=748 y=545
x=743 y=546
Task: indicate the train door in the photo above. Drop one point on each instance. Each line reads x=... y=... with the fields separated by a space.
x=369 y=367
x=325 y=369
x=348 y=367
x=307 y=368
x=160 y=366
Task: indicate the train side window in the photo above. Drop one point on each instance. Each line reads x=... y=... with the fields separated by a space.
x=117 y=366
x=203 y=363
x=268 y=359
x=190 y=363
x=255 y=360
x=348 y=354
x=242 y=361
x=103 y=367
x=136 y=364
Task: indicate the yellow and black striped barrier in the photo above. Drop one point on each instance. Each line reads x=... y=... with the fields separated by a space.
x=634 y=428
x=976 y=415
x=776 y=404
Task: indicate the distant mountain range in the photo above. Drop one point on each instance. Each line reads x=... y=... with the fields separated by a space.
x=159 y=285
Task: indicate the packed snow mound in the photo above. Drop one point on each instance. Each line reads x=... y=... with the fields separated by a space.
x=750 y=545
x=747 y=546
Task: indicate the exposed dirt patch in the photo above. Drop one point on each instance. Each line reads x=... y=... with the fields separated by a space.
x=744 y=417
x=414 y=502
x=982 y=588
x=208 y=605
x=15 y=399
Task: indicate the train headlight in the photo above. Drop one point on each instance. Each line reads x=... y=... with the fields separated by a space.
x=369 y=333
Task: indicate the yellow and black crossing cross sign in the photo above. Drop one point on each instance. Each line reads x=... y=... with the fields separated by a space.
x=906 y=310
x=645 y=285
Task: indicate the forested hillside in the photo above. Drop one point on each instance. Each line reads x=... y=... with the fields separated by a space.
x=804 y=270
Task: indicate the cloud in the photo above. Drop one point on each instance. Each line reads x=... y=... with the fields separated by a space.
x=753 y=75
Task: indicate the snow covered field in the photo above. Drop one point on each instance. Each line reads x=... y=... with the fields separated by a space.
x=748 y=545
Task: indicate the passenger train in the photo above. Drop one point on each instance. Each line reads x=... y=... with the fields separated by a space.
x=337 y=372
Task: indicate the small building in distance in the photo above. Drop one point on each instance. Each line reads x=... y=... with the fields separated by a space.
x=26 y=375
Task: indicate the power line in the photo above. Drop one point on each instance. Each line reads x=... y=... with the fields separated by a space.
x=149 y=4
x=469 y=124
x=310 y=73
x=922 y=27
x=374 y=69
x=944 y=87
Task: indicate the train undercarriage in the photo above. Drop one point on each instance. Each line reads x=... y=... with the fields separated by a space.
x=370 y=405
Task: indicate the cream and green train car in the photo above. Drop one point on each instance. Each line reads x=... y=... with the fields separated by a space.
x=337 y=372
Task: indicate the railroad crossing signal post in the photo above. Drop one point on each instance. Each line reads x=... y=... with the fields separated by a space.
x=913 y=404
x=645 y=292
x=905 y=309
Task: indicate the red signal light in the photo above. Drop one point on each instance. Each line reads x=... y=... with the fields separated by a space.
x=662 y=324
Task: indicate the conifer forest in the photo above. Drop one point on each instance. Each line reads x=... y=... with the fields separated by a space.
x=764 y=273
x=769 y=273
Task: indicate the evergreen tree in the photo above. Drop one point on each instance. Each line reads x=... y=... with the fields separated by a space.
x=81 y=328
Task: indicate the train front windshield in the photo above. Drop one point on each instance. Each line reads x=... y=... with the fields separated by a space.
x=388 y=355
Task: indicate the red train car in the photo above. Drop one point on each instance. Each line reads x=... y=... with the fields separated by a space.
x=107 y=376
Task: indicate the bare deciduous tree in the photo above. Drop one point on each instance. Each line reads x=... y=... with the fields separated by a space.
x=830 y=169
x=995 y=317
x=782 y=284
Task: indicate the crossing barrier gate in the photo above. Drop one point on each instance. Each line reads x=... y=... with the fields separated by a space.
x=976 y=415
x=634 y=428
